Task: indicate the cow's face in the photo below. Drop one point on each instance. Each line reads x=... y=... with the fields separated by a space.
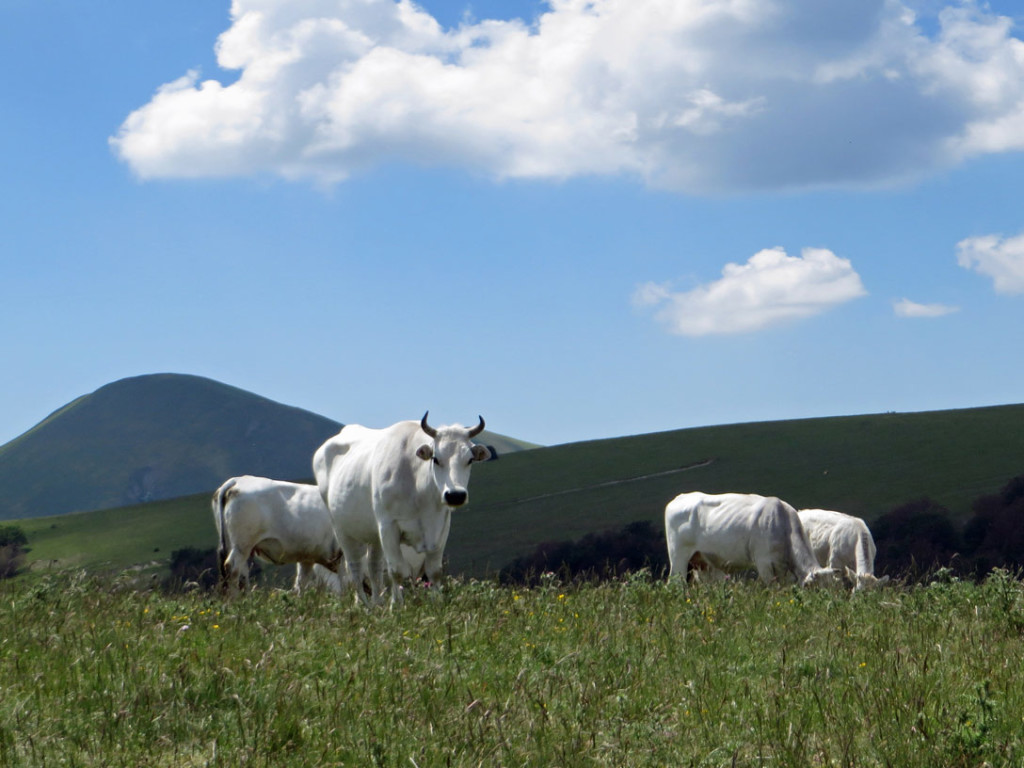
x=864 y=580
x=820 y=577
x=452 y=454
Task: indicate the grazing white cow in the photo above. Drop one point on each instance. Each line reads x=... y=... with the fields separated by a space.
x=394 y=486
x=738 y=531
x=278 y=521
x=844 y=543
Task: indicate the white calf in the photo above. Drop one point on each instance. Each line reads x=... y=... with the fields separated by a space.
x=844 y=543
x=278 y=521
x=736 y=532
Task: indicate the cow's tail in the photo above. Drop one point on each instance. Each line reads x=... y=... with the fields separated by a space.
x=324 y=458
x=219 y=501
x=322 y=469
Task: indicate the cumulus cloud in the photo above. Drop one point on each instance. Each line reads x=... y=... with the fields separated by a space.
x=1001 y=258
x=693 y=95
x=908 y=308
x=770 y=289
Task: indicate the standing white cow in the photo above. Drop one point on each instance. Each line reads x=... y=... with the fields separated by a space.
x=278 y=521
x=844 y=543
x=394 y=486
x=736 y=532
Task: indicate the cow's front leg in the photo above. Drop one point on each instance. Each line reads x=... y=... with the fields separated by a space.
x=433 y=567
x=767 y=571
x=303 y=577
x=375 y=572
x=398 y=569
x=679 y=561
x=354 y=551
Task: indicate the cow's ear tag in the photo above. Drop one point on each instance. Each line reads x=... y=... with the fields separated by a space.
x=425 y=452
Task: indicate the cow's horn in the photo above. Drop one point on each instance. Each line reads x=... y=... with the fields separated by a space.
x=478 y=428
x=426 y=427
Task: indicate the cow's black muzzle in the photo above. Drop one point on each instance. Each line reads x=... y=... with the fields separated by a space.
x=455 y=498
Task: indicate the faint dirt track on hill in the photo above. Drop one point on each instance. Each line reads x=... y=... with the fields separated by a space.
x=607 y=484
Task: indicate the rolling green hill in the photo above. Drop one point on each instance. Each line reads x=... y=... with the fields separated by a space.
x=864 y=465
x=157 y=437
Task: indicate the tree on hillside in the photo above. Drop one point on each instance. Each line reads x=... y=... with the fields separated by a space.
x=608 y=554
x=994 y=536
x=192 y=566
x=914 y=538
x=13 y=546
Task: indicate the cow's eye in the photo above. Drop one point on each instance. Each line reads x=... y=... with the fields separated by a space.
x=437 y=461
x=470 y=461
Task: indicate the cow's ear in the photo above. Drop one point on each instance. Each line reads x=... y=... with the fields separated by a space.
x=481 y=452
x=850 y=574
x=425 y=452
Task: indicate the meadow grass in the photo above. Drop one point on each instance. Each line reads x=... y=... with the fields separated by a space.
x=635 y=672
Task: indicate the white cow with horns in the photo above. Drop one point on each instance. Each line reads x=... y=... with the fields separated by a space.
x=738 y=531
x=844 y=543
x=278 y=521
x=394 y=486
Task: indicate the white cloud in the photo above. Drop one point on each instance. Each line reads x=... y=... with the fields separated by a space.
x=695 y=95
x=651 y=294
x=770 y=289
x=908 y=308
x=1001 y=258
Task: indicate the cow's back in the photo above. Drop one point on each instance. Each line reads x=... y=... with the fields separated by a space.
x=753 y=530
x=350 y=468
x=288 y=522
x=345 y=453
x=722 y=527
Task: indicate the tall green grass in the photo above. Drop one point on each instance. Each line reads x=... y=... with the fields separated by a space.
x=629 y=673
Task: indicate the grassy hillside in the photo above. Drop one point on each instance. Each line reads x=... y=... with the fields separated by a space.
x=115 y=539
x=626 y=675
x=157 y=437
x=864 y=465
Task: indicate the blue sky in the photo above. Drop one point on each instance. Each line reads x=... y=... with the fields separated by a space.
x=579 y=219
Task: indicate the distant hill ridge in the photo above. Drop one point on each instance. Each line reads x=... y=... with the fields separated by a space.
x=156 y=437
